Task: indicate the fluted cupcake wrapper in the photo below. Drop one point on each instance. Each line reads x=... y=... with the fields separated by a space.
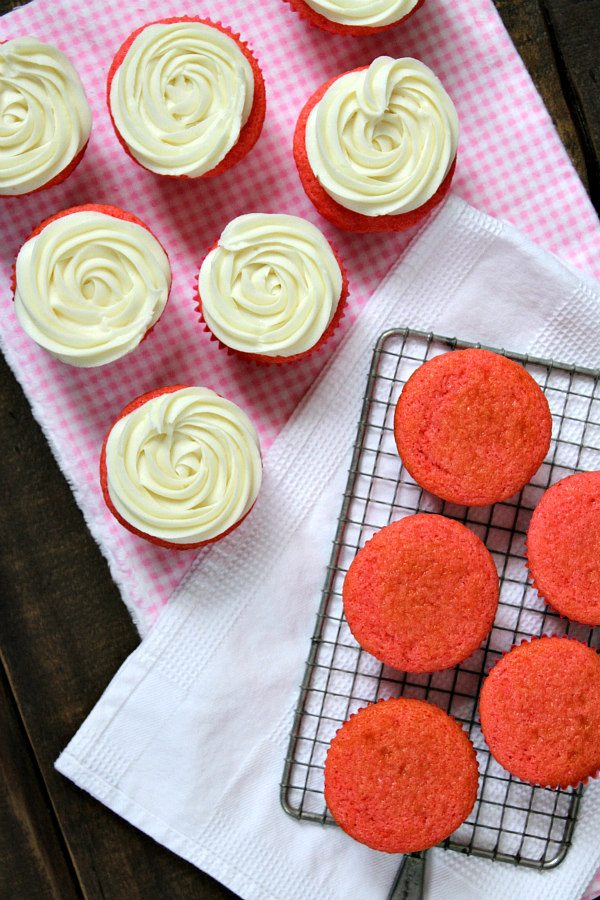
x=249 y=133
x=263 y=359
x=334 y=212
x=167 y=545
x=564 y=784
x=319 y=21
x=108 y=210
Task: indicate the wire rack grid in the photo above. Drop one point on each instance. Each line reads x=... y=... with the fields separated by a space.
x=511 y=821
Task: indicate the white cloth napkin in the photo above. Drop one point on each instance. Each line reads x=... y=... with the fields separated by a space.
x=189 y=739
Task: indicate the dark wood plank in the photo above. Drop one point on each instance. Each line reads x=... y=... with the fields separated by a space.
x=575 y=30
x=65 y=629
x=33 y=859
x=525 y=22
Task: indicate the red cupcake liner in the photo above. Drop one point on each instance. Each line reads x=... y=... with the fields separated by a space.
x=108 y=210
x=333 y=211
x=503 y=653
x=58 y=178
x=135 y=404
x=262 y=359
x=315 y=18
x=249 y=133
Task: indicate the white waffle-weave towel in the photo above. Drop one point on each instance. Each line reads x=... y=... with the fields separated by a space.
x=189 y=739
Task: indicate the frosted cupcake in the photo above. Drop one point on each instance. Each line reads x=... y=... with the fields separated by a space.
x=181 y=467
x=376 y=147
x=46 y=119
x=355 y=17
x=186 y=97
x=90 y=283
x=272 y=289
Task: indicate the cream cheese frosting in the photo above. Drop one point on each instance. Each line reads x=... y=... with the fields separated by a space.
x=89 y=286
x=367 y=13
x=382 y=140
x=45 y=119
x=271 y=286
x=184 y=467
x=181 y=96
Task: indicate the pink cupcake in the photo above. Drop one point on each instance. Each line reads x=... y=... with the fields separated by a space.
x=181 y=467
x=359 y=18
x=186 y=97
x=46 y=118
x=272 y=289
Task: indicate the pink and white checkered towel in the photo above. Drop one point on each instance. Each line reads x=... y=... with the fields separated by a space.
x=511 y=164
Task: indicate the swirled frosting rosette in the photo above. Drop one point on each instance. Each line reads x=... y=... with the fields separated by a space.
x=272 y=289
x=90 y=283
x=45 y=119
x=181 y=467
x=186 y=97
x=355 y=17
x=376 y=147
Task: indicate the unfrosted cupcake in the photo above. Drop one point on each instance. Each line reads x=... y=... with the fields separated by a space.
x=272 y=289
x=46 y=118
x=186 y=97
x=563 y=547
x=376 y=147
x=472 y=426
x=400 y=776
x=421 y=595
x=181 y=467
x=540 y=712
x=90 y=283
x=355 y=17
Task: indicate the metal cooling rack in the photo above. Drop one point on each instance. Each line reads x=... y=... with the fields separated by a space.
x=511 y=821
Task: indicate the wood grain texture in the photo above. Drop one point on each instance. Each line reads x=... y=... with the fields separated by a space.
x=64 y=627
x=65 y=631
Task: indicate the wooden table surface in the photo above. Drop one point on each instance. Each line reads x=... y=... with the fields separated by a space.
x=64 y=627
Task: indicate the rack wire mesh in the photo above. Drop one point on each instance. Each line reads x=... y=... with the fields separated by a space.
x=511 y=821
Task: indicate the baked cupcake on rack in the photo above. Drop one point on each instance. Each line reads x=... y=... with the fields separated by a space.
x=272 y=290
x=46 y=118
x=355 y=17
x=376 y=147
x=472 y=426
x=186 y=97
x=422 y=593
x=90 y=283
x=563 y=547
x=400 y=776
x=540 y=712
x=181 y=467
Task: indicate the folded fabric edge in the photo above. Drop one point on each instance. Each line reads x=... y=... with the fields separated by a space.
x=133 y=812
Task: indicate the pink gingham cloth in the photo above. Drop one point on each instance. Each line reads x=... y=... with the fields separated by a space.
x=511 y=164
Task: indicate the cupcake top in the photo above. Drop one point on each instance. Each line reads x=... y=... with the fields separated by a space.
x=472 y=426
x=180 y=97
x=46 y=119
x=422 y=594
x=271 y=286
x=90 y=284
x=540 y=712
x=400 y=776
x=183 y=466
x=382 y=139
x=367 y=13
x=563 y=547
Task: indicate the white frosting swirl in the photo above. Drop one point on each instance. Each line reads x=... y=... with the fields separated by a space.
x=271 y=286
x=365 y=13
x=181 y=96
x=382 y=140
x=45 y=119
x=89 y=286
x=184 y=467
